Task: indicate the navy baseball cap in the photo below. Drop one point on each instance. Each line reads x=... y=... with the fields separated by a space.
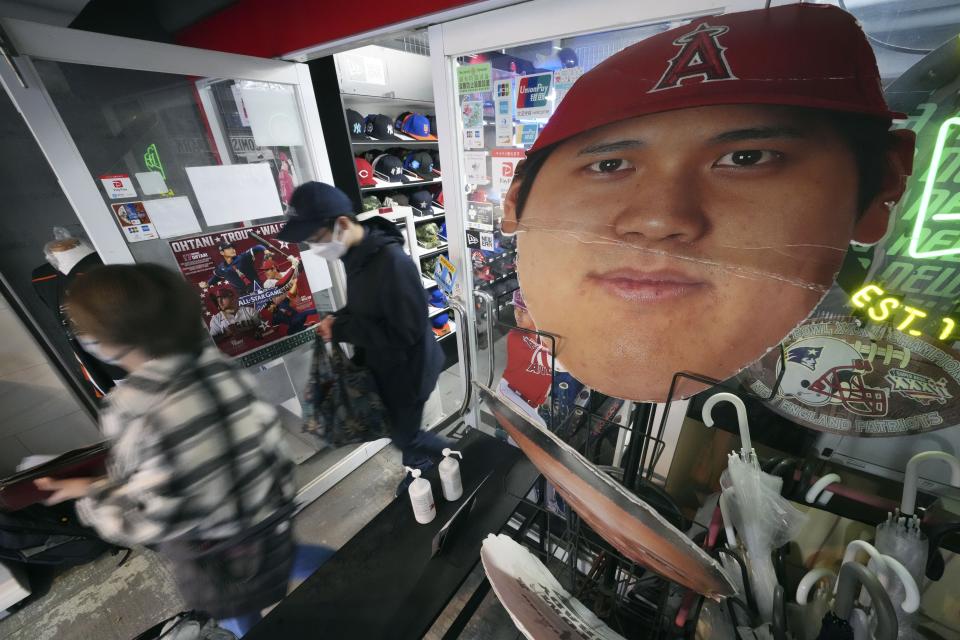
x=390 y=168
x=380 y=127
x=420 y=163
x=313 y=206
x=225 y=245
x=357 y=126
x=398 y=123
x=421 y=201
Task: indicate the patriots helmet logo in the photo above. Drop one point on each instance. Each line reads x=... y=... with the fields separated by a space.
x=807 y=356
x=701 y=56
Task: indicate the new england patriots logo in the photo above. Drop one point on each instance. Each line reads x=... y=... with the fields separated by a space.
x=807 y=356
x=700 y=56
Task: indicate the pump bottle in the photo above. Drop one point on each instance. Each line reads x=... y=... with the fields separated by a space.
x=421 y=497
x=450 y=475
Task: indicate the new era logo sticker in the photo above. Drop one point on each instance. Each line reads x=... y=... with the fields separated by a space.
x=701 y=56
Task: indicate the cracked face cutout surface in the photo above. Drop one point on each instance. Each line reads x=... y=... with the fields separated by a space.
x=689 y=240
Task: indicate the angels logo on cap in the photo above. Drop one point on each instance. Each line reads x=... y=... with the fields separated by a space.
x=749 y=57
x=700 y=56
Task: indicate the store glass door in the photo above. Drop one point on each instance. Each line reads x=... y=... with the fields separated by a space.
x=188 y=158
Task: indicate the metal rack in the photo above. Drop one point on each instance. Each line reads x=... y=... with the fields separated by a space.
x=631 y=600
x=634 y=602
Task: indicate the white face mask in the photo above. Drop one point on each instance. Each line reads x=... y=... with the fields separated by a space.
x=333 y=250
x=65 y=261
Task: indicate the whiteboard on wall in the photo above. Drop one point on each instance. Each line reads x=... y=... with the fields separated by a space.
x=229 y=193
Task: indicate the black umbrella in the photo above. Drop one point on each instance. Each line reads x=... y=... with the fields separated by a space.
x=836 y=625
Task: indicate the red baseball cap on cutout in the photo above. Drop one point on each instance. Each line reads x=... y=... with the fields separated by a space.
x=365 y=173
x=801 y=55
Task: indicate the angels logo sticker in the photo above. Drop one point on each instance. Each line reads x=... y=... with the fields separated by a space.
x=700 y=56
x=539 y=357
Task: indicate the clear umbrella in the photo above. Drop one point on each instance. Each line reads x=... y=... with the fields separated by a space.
x=752 y=501
x=900 y=536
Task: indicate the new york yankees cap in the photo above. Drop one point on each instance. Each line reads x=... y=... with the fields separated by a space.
x=801 y=55
x=357 y=126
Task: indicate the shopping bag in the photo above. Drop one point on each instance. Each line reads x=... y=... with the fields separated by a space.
x=342 y=402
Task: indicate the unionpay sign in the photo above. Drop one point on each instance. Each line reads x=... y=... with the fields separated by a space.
x=532 y=95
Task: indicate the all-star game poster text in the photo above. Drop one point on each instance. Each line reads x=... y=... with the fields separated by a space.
x=253 y=287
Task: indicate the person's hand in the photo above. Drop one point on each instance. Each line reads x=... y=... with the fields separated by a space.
x=294 y=261
x=325 y=328
x=203 y=285
x=63 y=490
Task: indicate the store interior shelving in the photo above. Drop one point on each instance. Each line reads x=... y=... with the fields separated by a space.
x=392 y=186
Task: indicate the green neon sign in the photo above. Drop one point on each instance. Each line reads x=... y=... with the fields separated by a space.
x=923 y=213
x=152 y=159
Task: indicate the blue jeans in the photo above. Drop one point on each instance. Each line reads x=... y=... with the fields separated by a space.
x=308 y=559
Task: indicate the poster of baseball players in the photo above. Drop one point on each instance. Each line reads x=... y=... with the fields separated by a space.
x=252 y=285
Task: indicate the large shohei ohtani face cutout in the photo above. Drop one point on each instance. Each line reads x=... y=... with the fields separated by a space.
x=690 y=240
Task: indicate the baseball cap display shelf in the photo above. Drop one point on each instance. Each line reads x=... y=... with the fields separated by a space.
x=413 y=144
x=433 y=218
x=423 y=253
x=383 y=185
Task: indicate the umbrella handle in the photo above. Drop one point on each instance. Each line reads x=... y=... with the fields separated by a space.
x=817 y=494
x=810 y=580
x=778 y=622
x=909 y=500
x=707 y=414
x=861 y=545
x=853 y=576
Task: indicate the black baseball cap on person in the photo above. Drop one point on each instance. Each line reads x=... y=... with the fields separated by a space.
x=313 y=206
x=225 y=245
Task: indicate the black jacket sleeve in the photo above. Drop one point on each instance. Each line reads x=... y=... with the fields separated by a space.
x=403 y=311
